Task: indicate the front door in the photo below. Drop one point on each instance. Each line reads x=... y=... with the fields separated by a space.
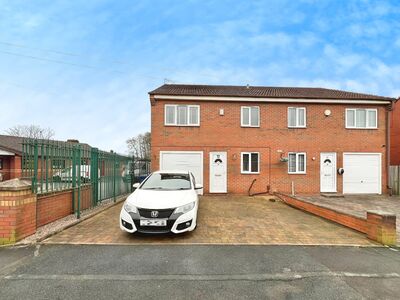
x=218 y=176
x=328 y=172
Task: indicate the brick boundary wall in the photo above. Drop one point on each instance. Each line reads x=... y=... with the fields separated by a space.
x=54 y=206
x=378 y=226
x=22 y=212
x=17 y=214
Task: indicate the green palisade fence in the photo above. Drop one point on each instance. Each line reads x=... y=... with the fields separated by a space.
x=92 y=175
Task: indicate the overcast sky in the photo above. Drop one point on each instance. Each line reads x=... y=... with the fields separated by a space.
x=84 y=68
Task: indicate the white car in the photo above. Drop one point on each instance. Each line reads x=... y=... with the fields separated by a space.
x=166 y=201
x=65 y=175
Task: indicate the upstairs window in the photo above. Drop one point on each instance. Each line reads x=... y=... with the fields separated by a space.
x=297 y=117
x=297 y=163
x=250 y=116
x=361 y=118
x=182 y=115
x=250 y=162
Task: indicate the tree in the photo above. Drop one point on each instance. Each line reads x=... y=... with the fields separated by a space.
x=140 y=145
x=31 y=131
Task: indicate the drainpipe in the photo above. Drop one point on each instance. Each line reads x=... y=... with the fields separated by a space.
x=388 y=112
x=268 y=191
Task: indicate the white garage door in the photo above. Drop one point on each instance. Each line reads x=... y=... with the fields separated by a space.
x=183 y=160
x=362 y=173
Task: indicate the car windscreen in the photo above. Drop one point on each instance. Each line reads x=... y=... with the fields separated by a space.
x=167 y=181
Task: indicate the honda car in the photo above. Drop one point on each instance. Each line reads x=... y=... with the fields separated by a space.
x=166 y=201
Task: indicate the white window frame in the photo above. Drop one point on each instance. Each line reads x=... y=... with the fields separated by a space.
x=297 y=160
x=297 y=117
x=366 y=117
x=241 y=162
x=241 y=116
x=175 y=123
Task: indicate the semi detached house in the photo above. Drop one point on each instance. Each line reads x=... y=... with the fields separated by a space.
x=252 y=139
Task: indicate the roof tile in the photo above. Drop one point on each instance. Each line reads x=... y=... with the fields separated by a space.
x=262 y=92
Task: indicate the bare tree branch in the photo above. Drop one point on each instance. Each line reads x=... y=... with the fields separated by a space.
x=140 y=145
x=31 y=131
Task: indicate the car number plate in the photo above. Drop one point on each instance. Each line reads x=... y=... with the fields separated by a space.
x=155 y=222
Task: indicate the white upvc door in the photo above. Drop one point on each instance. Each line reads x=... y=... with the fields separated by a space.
x=218 y=172
x=328 y=172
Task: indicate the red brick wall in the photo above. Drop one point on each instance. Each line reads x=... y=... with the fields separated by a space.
x=86 y=197
x=379 y=226
x=59 y=205
x=224 y=133
x=53 y=207
x=359 y=224
x=17 y=215
x=11 y=167
x=15 y=167
x=395 y=135
x=5 y=170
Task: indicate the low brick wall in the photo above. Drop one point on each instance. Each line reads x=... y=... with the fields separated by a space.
x=22 y=212
x=52 y=207
x=17 y=213
x=378 y=226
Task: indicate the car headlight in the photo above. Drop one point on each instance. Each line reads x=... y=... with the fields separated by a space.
x=130 y=208
x=185 y=208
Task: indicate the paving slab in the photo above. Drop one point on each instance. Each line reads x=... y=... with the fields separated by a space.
x=238 y=220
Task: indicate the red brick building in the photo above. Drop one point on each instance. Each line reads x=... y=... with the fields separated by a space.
x=241 y=139
x=10 y=157
x=395 y=135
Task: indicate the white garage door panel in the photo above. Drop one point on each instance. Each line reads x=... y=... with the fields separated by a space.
x=183 y=160
x=362 y=173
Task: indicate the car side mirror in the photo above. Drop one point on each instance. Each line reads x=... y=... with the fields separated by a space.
x=198 y=186
x=136 y=185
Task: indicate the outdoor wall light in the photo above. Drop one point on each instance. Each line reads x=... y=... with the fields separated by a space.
x=234 y=156
x=281 y=157
x=327 y=112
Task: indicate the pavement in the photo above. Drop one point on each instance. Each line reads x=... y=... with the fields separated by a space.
x=223 y=220
x=199 y=272
x=358 y=205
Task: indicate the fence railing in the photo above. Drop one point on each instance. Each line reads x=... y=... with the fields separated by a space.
x=394 y=179
x=55 y=166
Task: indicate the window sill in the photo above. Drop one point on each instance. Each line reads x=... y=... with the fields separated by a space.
x=301 y=127
x=245 y=126
x=297 y=173
x=174 y=125
x=250 y=173
x=362 y=128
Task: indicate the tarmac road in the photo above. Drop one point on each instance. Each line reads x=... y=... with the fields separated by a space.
x=194 y=272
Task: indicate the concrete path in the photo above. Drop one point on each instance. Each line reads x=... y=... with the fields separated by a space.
x=224 y=220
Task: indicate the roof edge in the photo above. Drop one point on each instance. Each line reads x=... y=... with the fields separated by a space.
x=270 y=99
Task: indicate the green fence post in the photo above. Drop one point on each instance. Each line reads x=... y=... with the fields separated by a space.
x=94 y=174
x=47 y=166
x=35 y=166
x=78 y=212
x=73 y=178
x=114 y=176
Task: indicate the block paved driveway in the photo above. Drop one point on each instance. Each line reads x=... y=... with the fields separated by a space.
x=223 y=220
